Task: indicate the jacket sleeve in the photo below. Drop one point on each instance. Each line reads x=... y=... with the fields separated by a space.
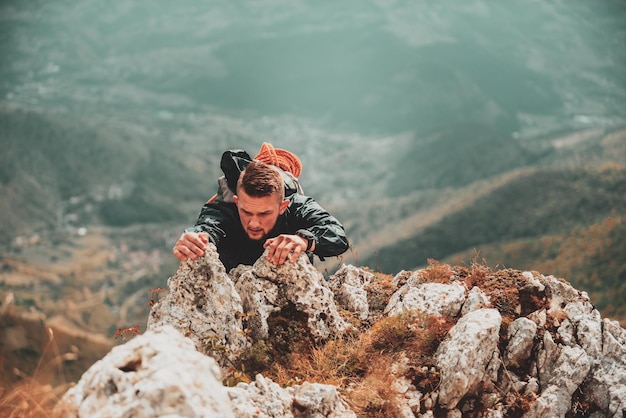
x=330 y=235
x=216 y=219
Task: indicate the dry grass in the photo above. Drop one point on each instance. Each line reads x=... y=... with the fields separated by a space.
x=29 y=396
x=40 y=361
x=363 y=365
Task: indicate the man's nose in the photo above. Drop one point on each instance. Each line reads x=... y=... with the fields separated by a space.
x=254 y=222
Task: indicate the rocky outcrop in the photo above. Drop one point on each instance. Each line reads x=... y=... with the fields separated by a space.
x=514 y=344
x=203 y=305
x=266 y=289
x=160 y=373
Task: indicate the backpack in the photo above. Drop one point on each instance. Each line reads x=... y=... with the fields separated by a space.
x=233 y=163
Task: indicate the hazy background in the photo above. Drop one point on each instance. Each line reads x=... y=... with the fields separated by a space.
x=461 y=131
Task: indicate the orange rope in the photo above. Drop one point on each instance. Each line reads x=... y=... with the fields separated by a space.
x=280 y=158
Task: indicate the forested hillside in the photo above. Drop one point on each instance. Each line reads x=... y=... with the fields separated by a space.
x=56 y=171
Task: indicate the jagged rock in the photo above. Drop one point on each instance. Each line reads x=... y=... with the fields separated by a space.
x=476 y=299
x=521 y=338
x=264 y=398
x=402 y=277
x=561 y=370
x=467 y=356
x=203 y=304
x=348 y=285
x=433 y=298
x=159 y=373
x=266 y=288
x=559 y=357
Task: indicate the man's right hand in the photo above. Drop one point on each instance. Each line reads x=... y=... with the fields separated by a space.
x=191 y=245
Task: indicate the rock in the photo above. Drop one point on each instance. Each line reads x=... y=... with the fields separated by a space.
x=466 y=356
x=476 y=299
x=561 y=370
x=521 y=337
x=606 y=385
x=559 y=357
x=264 y=398
x=203 y=305
x=433 y=298
x=266 y=288
x=348 y=285
x=159 y=373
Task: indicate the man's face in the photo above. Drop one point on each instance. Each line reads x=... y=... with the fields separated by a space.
x=259 y=214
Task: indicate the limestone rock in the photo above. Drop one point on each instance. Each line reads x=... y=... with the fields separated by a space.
x=266 y=288
x=159 y=373
x=264 y=398
x=521 y=338
x=348 y=285
x=433 y=298
x=465 y=355
x=476 y=299
x=556 y=358
x=203 y=305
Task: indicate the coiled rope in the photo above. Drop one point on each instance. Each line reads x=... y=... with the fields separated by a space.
x=280 y=158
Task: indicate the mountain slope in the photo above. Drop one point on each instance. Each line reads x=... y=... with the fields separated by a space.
x=53 y=166
x=536 y=204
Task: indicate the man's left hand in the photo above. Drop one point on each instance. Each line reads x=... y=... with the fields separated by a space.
x=285 y=247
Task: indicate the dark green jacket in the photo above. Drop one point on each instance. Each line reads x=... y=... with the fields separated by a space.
x=221 y=221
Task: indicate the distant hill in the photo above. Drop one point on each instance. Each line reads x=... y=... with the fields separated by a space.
x=57 y=170
x=537 y=203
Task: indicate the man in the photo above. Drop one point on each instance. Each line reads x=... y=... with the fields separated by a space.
x=262 y=217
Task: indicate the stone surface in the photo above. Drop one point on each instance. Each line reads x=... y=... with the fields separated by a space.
x=433 y=298
x=521 y=338
x=348 y=285
x=265 y=288
x=465 y=355
x=555 y=360
x=159 y=373
x=264 y=398
x=476 y=299
x=202 y=304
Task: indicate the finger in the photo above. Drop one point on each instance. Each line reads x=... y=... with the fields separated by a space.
x=179 y=255
x=295 y=255
x=194 y=243
x=285 y=252
x=190 y=250
x=273 y=246
x=197 y=240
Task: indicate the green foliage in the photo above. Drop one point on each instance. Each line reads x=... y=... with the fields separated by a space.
x=478 y=152
x=530 y=206
x=48 y=158
x=136 y=209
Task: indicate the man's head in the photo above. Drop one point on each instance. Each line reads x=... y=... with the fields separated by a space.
x=260 y=199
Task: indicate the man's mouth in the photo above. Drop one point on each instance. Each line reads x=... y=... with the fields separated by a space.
x=254 y=232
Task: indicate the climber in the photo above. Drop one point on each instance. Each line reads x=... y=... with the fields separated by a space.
x=262 y=207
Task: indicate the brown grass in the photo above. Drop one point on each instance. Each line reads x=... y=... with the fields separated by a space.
x=29 y=397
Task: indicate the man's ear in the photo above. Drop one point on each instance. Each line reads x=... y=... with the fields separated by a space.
x=236 y=200
x=283 y=206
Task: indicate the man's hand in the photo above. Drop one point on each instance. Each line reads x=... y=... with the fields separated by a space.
x=285 y=247
x=191 y=245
